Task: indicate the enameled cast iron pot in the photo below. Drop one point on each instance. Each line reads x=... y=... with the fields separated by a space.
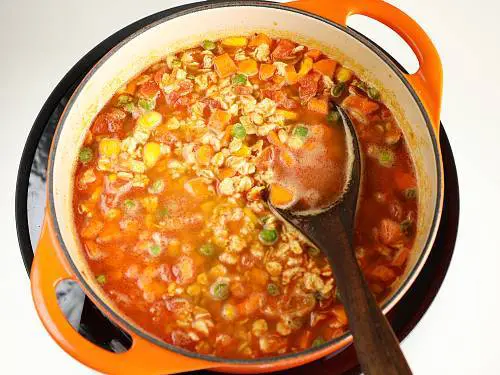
x=414 y=99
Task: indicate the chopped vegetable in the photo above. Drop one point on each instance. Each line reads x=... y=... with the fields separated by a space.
x=86 y=154
x=325 y=67
x=373 y=93
x=224 y=65
x=238 y=131
x=147 y=104
x=239 y=79
x=268 y=236
x=410 y=193
x=386 y=157
x=220 y=289
x=155 y=250
x=124 y=99
x=318 y=341
x=207 y=249
x=338 y=89
x=101 y=279
x=157 y=187
x=333 y=117
x=273 y=289
x=235 y=41
x=266 y=71
x=300 y=131
x=208 y=45
x=248 y=67
x=344 y=75
x=313 y=251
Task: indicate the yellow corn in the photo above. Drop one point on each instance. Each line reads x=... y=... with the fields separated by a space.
x=235 y=41
x=288 y=115
x=204 y=154
x=248 y=212
x=151 y=154
x=229 y=312
x=96 y=194
x=150 y=204
x=244 y=151
x=344 y=75
x=305 y=66
x=109 y=147
x=202 y=279
x=149 y=120
x=193 y=290
x=112 y=177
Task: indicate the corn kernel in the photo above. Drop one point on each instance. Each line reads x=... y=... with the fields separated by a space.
x=109 y=147
x=305 y=66
x=228 y=312
x=235 y=41
x=193 y=290
x=150 y=204
x=253 y=218
x=217 y=271
x=288 y=115
x=149 y=120
x=344 y=75
x=244 y=151
x=151 y=153
x=202 y=278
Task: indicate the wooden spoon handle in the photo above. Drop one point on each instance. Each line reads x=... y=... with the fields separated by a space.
x=376 y=344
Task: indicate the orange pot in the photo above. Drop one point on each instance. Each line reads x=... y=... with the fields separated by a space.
x=414 y=99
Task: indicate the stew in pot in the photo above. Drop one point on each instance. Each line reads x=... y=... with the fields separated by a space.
x=168 y=195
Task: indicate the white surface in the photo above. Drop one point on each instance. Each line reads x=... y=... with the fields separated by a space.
x=40 y=41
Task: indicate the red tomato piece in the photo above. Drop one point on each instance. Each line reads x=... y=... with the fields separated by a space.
x=282 y=101
x=308 y=86
x=148 y=90
x=283 y=50
x=110 y=122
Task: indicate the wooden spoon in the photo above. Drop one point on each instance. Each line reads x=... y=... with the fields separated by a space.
x=331 y=230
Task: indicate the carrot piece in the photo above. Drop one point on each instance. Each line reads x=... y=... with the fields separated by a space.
x=224 y=65
x=273 y=139
x=258 y=277
x=219 y=119
x=319 y=105
x=280 y=196
x=260 y=39
x=291 y=75
x=197 y=188
x=131 y=87
x=287 y=157
x=304 y=341
x=313 y=54
x=226 y=173
x=248 y=67
x=266 y=71
x=326 y=67
x=363 y=105
x=251 y=304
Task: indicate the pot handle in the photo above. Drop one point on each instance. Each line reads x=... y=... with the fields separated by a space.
x=428 y=80
x=143 y=357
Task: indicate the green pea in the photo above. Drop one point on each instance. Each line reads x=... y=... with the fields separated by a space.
x=176 y=64
x=301 y=131
x=155 y=250
x=333 y=117
x=313 y=251
x=406 y=226
x=101 y=279
x=147 y=104
x=163 y=212
x=273 y=289
x=129 y=107
x=338 y=89
x=85 y=155
x=207 y=250
x=157 y=187
x=239 y=131
x=386 y=158
x=124 y=99
x=318 y=341
x=239 y=79
x=208 y=45
x=268 y=236
x=410 y=193
x=220 y=290
x=373 y=93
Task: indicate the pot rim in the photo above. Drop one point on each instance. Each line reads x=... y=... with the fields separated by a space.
x=346 y=337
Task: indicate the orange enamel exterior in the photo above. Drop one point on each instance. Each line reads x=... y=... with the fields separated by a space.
x=145 y=357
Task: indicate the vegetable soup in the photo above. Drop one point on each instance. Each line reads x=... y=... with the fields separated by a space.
x=168 y=195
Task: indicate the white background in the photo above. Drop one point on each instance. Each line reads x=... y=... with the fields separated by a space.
x=41 y=40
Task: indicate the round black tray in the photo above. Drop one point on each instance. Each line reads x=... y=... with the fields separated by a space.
x=92 y=324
